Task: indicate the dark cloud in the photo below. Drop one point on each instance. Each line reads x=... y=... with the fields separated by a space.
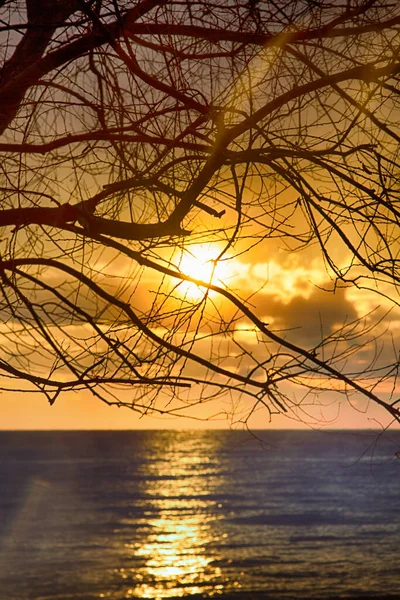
x=307 y=319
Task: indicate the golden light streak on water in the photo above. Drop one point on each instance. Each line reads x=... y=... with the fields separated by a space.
x=178 y=558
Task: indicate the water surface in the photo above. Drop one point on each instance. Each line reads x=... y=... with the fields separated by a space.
x=157 y=515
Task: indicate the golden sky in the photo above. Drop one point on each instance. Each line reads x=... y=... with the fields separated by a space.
x=286 y=291
x=274 y=176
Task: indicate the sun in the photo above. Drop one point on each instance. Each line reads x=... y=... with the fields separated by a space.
x=200 y=262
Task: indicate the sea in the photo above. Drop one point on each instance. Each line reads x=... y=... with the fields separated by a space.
x=199 y=514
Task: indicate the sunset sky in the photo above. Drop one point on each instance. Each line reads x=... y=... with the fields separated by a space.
x=250 y=148
x=287 y=291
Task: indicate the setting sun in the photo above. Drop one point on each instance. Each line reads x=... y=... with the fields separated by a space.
x=200 y=262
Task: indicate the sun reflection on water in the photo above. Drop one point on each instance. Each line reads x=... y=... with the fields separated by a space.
x=176 y=562
x=177 y=556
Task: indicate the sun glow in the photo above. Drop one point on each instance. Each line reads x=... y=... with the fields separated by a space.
x=200 y=262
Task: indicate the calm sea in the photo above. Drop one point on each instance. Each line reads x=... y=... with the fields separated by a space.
x=115 y=515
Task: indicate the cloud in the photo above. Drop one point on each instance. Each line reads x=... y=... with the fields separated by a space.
x=284 y=276
x=306 y=319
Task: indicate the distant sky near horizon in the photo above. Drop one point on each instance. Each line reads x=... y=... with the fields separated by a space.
x=77 y=412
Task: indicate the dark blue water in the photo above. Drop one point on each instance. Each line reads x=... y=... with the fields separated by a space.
x=199 y=514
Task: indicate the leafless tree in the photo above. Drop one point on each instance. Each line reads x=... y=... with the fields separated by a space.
x=136 y=132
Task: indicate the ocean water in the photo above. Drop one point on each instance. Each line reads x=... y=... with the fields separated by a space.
x=115 y=515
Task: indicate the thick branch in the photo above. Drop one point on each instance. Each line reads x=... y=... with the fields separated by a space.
x=68 y=213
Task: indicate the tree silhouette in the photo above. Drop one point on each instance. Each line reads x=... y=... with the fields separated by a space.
x=136 y=134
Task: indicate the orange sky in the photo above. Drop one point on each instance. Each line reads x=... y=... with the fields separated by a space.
x=290 y=300
x=283 y=286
